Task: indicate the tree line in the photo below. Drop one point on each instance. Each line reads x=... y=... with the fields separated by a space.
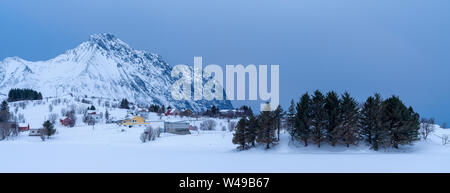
x=334 y=119
x=263 y=129
x=17 y=94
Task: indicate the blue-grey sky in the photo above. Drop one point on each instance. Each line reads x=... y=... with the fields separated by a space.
x=399 y=47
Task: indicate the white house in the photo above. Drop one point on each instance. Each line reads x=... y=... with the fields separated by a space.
x=95 y=115
x=35 y=132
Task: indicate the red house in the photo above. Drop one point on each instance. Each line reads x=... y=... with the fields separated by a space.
x=24 y=127
x=66 y=121
x=172 y=112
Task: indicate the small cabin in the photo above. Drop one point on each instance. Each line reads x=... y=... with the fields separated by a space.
x=137 y=120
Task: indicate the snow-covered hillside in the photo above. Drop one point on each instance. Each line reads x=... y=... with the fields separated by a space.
x=105 y=67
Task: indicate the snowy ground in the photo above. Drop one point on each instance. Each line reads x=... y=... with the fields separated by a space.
x=107 y=149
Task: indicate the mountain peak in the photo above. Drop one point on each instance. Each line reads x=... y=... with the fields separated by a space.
x=104 y=66
x=108 y=41
x=102 y=37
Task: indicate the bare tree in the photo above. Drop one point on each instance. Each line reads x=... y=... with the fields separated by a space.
x=52 y=117
x=231 y=126
x=445 y=139
x=43 y=134
x=8 y=130
x=208 y=125
x=426 y=127
x=21 y=118
x=72 y=117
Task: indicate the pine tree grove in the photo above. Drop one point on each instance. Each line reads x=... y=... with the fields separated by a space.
x=341 y=120
x=334 y=119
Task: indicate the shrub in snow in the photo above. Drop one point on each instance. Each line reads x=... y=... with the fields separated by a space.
x=150 y=134
x=445 y=139
x=42 y=136
x=208 y=125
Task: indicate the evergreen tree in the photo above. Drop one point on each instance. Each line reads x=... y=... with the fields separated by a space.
x=319 y=118
x=49 y=128
x=239 y=136
x=370 y=130
x=332 y=109
x=290 y=119
x=4 y=112
x=4 y=106
x=266 y=131
x=303 y=122
x=124 y=104
x=154 y=108
x=252 y=130
x=399 y=123
x=107 y=115
x=163 y=109
x=349 y=129
x=247 y=111
x=23 y=94
x=278 y=114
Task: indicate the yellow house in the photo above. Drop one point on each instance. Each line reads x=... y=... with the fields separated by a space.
x=137 y=120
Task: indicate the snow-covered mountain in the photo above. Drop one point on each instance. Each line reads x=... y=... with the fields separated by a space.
x=104 y=66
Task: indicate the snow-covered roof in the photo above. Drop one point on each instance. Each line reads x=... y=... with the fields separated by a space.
x=23 y=124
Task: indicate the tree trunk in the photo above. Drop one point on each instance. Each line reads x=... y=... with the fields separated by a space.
x=278 y=133
x=395 y=145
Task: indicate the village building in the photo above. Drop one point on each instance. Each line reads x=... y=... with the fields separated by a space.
x=65 y=121
x=97 y=117
x=135 y=121
x=171 y=111
x=35 y=132
x=24 y=127
x=180 y=128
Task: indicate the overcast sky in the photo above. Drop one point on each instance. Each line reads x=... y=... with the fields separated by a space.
x=399 y=47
